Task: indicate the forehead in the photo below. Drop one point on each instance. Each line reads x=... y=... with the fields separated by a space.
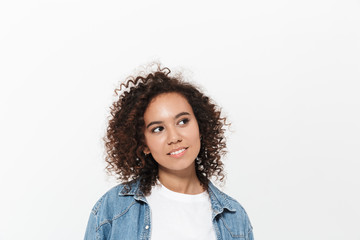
x=167 y=105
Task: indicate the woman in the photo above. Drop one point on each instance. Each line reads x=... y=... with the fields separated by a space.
x=164 y=141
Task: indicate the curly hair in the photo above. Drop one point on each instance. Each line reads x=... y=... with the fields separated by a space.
x=125 y=141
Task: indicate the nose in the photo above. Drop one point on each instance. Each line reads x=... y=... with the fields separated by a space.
x=173 y=136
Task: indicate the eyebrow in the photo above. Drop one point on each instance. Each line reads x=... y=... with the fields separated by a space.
x=159 y=122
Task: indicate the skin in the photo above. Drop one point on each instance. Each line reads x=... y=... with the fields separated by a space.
x=171 y=127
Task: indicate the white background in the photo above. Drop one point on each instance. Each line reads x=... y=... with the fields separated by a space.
x=286 y=73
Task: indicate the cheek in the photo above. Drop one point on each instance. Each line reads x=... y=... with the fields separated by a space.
x=154 y=143
x=194 y=137
x=149 y=142
x=195 y=133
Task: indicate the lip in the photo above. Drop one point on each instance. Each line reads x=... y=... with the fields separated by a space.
x=179 y=154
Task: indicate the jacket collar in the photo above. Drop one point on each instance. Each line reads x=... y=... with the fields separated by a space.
x=219 y=200
x=134 y=190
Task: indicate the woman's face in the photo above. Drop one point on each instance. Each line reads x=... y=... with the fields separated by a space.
x=172 y=133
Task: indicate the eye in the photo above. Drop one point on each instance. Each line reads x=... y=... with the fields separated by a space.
x=183 y=121
x=157 y=129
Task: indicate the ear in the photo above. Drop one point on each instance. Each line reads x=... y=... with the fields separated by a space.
x=146 y=150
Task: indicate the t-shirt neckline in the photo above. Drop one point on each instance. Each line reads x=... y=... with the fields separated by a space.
x=165 y=192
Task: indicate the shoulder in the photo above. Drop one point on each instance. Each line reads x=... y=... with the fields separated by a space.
x=114 y=202
x=111 y=206
x=224 y=199
x=234 y=203
x=231 y=209
x=108 y=197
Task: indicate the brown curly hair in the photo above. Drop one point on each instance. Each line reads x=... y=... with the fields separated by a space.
x=125 y=141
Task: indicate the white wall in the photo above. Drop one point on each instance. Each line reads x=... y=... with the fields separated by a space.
x=285 y=72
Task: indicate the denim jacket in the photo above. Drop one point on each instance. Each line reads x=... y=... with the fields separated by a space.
x=126 y=215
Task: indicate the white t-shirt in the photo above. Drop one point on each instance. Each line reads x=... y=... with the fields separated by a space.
x=179 y=216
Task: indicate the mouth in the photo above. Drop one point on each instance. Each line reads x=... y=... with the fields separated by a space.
x=178 y=152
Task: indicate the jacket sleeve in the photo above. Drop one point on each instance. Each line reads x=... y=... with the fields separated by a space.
x=90 y=233
x=250 y=235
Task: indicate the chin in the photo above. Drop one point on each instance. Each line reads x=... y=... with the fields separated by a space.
x=180 y=167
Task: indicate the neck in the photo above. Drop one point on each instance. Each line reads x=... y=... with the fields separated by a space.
x=183 y=182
